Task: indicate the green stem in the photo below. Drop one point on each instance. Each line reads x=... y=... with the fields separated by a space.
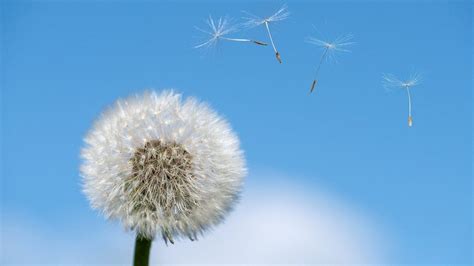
x=142 y=251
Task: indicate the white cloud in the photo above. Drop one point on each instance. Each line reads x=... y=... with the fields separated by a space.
x=276 y=222
x=28 y=241
x=282 y=223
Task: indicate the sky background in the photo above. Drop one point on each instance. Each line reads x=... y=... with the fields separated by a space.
x=334 y=177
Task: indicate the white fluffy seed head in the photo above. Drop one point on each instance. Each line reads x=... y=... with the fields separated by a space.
x=254 y=21
x=390 y=81
x=218 y=29
x=331 y=48
x=162 y=165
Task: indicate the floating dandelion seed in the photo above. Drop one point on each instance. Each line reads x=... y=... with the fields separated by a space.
x=219 y=30
x=254 y=21
x=340 y=44
x=161 y=165
x=390 y=81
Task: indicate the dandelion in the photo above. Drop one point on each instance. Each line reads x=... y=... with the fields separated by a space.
x=254 y=21
x=390 y=81
x=218 y=31
x=164 y=166
x=330 y=48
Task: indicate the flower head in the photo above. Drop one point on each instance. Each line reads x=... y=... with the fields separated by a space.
x=218 y=32
x=330 y=48
x=391 y=81
x=254 y=21
x=340 y=44
x=162 y=165
x=218 y=29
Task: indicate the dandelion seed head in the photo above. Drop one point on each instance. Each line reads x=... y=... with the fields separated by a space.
x=254 y=21
x=217 y=29
x=340 y=44
x=390 y=81
x=162 y=165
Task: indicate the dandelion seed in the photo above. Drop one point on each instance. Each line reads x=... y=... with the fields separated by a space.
x=254 y=21
x=161 y=165
x=390 y=81
x=330 y=49
x=218 y=31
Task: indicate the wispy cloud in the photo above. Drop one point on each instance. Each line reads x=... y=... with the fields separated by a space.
x=276 y=222
x=281 y=222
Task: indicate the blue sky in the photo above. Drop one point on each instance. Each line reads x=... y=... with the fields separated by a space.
x=62 y=63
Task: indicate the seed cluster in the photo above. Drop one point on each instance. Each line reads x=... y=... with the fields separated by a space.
x=161 y=182
x=162 y=166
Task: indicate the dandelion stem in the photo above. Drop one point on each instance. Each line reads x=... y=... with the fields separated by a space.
x=317 y=69
x=277 y=54
x=142 y=251
x=410 y=120
x=243 y=40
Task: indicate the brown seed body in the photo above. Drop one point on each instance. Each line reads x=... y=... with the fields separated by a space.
x=260 y=43
x=161 y=182
x=278 y=57
x=313 y=85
